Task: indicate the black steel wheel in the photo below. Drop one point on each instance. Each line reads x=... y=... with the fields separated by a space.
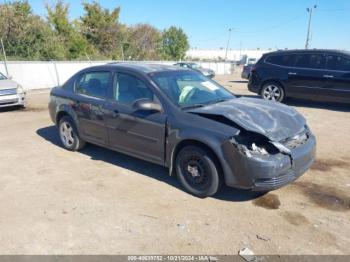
x=197 y=171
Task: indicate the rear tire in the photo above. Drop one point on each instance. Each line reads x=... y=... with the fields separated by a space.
x=69 y=134
x=272 y=91
x=197 y=171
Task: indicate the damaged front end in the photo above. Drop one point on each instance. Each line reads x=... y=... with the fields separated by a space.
x=252 y=144
x=272 y=147
x=263 y=165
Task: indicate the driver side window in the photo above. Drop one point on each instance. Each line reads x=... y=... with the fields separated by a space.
x=127 y=89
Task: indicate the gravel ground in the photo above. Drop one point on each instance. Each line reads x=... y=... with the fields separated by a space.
x=102 y=202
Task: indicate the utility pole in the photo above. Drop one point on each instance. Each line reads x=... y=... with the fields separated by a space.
x=5 y=57
x=228 y=42
x=309 y=10
x=240 y=50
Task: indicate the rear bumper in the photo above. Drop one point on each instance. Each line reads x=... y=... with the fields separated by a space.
x=270 y=172
x=253 y=87
x=13 y=100
x=245 y=75
x=254 y=83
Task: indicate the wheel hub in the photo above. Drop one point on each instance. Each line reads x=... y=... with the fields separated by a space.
x=193 y=171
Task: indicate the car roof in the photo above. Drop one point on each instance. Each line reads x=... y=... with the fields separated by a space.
x=145 y=68
x=300 y=51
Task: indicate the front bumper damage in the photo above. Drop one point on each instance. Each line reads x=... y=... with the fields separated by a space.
x=270 y=171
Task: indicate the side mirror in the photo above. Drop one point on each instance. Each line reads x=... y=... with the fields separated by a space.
x=147 y=105
x=10 y=77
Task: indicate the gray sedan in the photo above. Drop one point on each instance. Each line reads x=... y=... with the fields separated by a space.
x=182 y=120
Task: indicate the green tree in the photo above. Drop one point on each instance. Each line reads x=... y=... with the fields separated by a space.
x=97 y=34
x=58 y=18
x=102 y=29
x=174 y=43
x=68 y=33
x=143 y=43
x=25 y=35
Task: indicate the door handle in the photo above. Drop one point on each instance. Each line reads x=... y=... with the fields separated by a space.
x=292 y=74
x=328 y=76
x=115 y=113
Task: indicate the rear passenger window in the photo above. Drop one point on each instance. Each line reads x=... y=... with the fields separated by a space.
x=338 y=63
x=313 y=61
x=93 y=84
x=276 y=60
x=281 y=60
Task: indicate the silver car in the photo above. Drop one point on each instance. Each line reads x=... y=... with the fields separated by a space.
x=205 y=71
x=11 y=93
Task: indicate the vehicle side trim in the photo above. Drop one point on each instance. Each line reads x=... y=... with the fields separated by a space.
x=333 y=89
x=305 y=68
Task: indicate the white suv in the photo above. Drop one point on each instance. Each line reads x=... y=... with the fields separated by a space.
x=11 y=93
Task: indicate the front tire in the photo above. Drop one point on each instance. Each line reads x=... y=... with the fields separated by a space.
x=69 y=135
x=273 y=91
x=197 y=171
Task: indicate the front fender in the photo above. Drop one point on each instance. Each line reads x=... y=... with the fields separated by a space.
x=176 y=138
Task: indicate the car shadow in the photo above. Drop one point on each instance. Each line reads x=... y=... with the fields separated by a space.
x=333 y=106
x=11 y=109
x=142 y=167
x=239 y=81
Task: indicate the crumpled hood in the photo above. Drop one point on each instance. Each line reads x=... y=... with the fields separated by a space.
x=7 y=84
x=271 y=119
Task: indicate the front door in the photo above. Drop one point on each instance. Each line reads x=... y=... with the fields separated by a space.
x=89 y=102
x=138 y=133
x=336 y=85
x=305 y=76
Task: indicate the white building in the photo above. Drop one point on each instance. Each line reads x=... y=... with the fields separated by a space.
x=219 y=54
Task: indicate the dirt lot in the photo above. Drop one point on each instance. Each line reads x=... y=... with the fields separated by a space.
x=101 y=202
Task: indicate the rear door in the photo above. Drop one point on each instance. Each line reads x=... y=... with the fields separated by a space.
x=336 y=84
x=90 y=98
x=305 y=75
x=138 y=133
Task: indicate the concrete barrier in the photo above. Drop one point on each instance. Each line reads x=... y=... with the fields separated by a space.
x=41 y=75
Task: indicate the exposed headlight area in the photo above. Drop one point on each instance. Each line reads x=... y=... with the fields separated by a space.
x=252 y=144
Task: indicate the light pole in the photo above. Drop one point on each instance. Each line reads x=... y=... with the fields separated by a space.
x=228 y=42
x=5 y=57
x=309 y=10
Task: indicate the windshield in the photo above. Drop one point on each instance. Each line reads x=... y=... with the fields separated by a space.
x=2 y=77
x=190 y=89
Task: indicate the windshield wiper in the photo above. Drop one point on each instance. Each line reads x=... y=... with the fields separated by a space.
x=193 y=106
x=205 y=104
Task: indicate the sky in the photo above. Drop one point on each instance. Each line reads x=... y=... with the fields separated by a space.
x=256 y=23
